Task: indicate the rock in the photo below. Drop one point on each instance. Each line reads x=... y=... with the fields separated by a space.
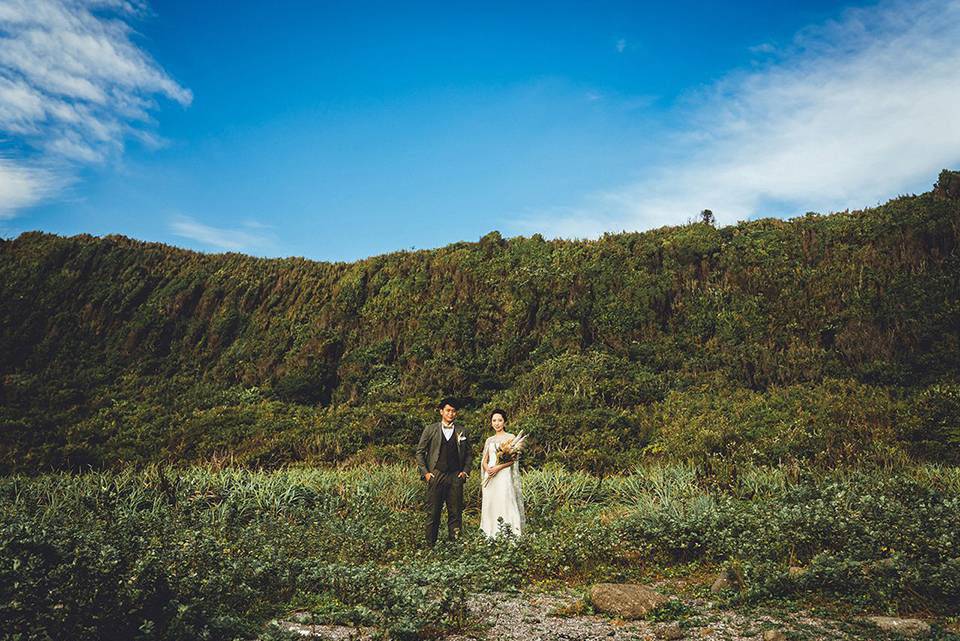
x=906 y=627
x=625 y=600
x=795 y=571
x=730 y=578
x=672 y=631
x=321 y=631
x=300 y=616
x=722 y=583
x=727 y=580
x=774 y=635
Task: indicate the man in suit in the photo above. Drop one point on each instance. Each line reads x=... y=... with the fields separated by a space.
x=444 y=457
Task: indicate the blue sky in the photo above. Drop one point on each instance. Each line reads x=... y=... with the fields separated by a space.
x=336 y=131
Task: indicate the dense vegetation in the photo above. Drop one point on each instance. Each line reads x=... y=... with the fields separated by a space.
x=825 y=337
x=762 y=397
x=167 y=553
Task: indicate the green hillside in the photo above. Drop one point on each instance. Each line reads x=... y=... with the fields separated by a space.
x=824 y=339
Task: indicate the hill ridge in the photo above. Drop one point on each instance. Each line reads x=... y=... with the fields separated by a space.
x=947 y=186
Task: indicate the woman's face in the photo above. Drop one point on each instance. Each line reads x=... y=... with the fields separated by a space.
x=497 y=422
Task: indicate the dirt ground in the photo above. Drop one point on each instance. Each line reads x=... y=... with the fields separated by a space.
x=564 y=615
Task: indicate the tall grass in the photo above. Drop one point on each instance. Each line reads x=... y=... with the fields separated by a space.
x=220 y=491
x=169 y=553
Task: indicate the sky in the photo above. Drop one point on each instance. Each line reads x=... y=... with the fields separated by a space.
x=340 y=130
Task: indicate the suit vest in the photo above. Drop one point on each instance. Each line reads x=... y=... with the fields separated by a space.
x=449 y=458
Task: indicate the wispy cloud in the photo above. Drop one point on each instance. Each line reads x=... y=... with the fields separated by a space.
x=21 y=186
x=73 y=88
x=621 y=45
x=251 y=235
x=764 y=47
x=853 y=112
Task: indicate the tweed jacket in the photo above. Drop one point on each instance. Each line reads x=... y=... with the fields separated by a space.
x=428 y=448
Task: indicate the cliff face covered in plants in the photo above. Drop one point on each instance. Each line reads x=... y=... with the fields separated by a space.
x=824 y=338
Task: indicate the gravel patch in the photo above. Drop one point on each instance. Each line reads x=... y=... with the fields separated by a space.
x=564 y=616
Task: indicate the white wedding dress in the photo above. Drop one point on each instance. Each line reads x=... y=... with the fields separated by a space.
x=502 y=498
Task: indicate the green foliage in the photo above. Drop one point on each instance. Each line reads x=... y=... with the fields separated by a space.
x=757 y=396
x=114 y=351
x=935 y=428
x=412 y=601
x=835 y=422
x=310 y=385
x=672 y=610
x=168 y=553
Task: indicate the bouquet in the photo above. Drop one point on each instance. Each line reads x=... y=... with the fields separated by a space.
x=509 y=451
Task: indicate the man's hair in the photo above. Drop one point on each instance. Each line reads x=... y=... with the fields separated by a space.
x=452 y=402
x=500 y=412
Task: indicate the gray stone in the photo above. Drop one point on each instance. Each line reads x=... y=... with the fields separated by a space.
x=671 y=632
x=727 y=580
x=906 y=627
x=625 y=600
x=722 y=583
x=326 y=632
x=301 y=616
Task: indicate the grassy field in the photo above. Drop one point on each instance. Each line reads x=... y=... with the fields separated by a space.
x=208 y=553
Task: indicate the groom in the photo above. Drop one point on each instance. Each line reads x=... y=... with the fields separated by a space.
x=444 y=456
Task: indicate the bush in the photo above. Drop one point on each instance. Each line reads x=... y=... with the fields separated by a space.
x=935 y=431
x=834 y=423
x=199 y=553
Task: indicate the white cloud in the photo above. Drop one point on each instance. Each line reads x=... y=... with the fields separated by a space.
x=251 y=235
x=764 y=47
x=621 y=45
x=21 y=187
x=856 y=111
x=73 y=88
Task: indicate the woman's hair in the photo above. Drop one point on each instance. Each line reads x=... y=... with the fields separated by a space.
x=500 y=412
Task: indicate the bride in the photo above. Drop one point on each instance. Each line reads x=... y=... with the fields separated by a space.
x=501 y=494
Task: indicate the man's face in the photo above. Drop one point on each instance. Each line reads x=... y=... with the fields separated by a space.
x=448 y=413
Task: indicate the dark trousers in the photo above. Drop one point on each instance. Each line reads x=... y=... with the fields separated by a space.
x=444 y=488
